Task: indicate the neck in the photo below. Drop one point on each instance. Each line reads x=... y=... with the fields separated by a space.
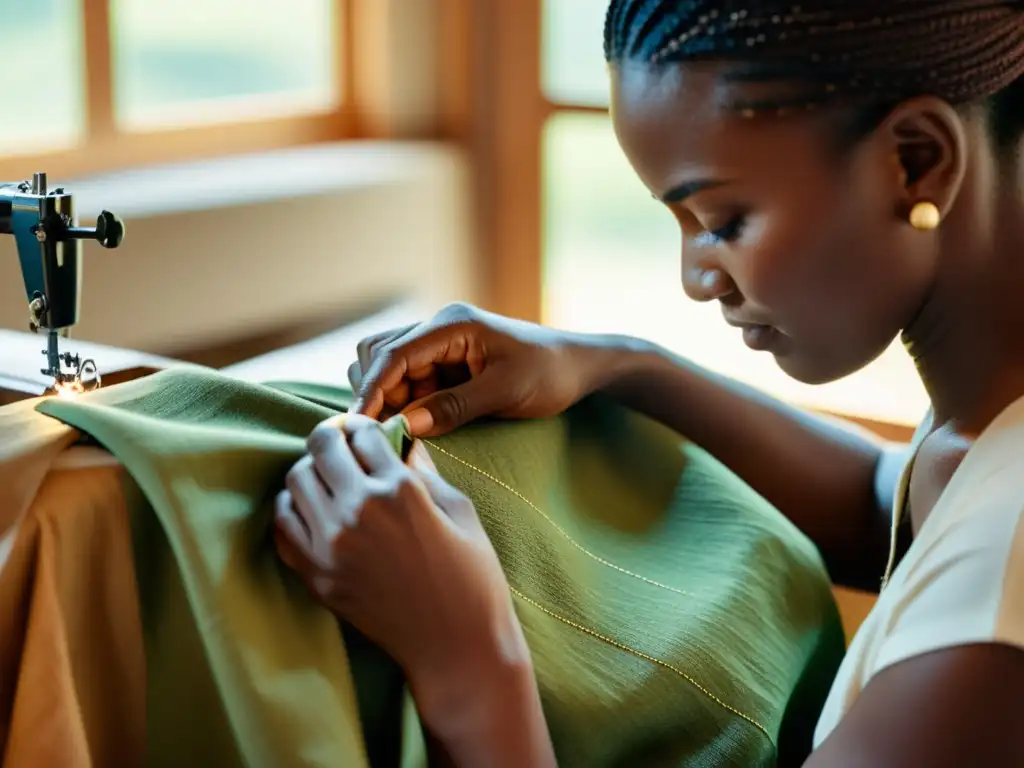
x=968 y=339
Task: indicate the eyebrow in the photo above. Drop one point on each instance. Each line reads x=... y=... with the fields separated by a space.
x=689 y=188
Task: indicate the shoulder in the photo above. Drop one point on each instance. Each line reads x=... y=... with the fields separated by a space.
x=944 y=671
x=962 y=581
x=936 y=677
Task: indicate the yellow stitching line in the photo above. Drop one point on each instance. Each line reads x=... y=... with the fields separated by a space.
x=591 y=632
x=645 y=657
x=557 y=527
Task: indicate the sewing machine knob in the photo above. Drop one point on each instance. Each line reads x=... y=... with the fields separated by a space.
x=109 y=230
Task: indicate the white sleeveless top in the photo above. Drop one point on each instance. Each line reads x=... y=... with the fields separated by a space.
x=961 y=581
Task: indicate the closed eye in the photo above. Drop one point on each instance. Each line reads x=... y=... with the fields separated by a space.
x=730 y=231
x=725 y=234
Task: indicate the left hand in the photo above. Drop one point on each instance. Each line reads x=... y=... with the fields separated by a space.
x=401 y=555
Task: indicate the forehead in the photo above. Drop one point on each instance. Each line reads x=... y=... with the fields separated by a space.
x=676 y=121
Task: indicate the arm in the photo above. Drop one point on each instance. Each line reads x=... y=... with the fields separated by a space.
x=391 y=548
x=496 y=721
x=952 y=708
x=834 y=483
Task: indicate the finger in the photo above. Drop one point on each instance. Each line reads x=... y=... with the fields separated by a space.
x=365 y=349
x=452 y=502
x=448 y=344
x=424 y=385
x=334 y=421
x=332 y=458
x=287 y=551
x=355 y=376
x=365 y=345
x=369 y=404
x=419 y=458
x=371 y=447
x=309 y=496
x=365 y=353
x=398 y=396
x=448 y=409
x=291 y=536
x=418 y=382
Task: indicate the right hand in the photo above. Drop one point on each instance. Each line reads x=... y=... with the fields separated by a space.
x=463 y=364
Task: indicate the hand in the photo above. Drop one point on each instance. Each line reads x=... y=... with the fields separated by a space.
x=464 y=364
x=401 y=555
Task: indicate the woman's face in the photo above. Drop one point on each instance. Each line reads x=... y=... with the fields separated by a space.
x=803 y=245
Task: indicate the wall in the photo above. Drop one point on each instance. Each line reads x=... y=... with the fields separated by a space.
x=221 y=250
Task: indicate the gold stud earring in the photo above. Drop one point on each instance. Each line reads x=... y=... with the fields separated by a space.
x=925 y=216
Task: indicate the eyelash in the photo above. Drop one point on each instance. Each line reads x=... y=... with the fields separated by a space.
x=730 y=231
x=726 y=234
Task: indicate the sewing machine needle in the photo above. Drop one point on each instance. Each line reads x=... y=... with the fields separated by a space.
x=52 y=353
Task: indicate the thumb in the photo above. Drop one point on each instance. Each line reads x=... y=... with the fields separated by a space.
x=419 y=458
x=448 y=409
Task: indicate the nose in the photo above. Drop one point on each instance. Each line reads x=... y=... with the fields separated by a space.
x=704 y=282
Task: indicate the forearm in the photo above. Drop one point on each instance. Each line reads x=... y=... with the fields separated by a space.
x=499 y=723
x=819 y=473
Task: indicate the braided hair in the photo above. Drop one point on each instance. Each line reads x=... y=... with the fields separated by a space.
x=877 y=51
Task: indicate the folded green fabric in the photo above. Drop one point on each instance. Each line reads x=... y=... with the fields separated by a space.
x=674 y=617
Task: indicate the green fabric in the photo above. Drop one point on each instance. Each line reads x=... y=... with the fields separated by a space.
x=674 y=617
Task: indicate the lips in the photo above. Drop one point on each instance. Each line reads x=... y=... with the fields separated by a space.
x=760 y=338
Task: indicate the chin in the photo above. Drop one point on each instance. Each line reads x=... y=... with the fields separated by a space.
x=815 y=370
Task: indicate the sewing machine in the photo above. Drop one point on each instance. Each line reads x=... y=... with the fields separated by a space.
x=49 y=243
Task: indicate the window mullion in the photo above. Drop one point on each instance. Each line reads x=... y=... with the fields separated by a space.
x=100 y=122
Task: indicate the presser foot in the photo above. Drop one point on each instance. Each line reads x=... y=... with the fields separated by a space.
x=71 y=375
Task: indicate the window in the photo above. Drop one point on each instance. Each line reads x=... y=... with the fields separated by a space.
x=45 y=37
x=243 y=58
x=610 y=253
x=573 y=67
x=114 y=82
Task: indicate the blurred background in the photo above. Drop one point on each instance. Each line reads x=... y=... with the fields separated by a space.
x=287 y=169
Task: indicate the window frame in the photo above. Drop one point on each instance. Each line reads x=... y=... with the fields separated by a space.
x=513 y=112
x=104 y=146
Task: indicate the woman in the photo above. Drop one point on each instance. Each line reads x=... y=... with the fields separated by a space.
x=842 y=173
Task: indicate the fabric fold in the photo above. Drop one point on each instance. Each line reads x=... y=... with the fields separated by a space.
x=674 y=617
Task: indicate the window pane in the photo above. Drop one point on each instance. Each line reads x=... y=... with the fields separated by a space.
x=612 y=265
x=196 y=61
x=42 y=81
x=574 y=70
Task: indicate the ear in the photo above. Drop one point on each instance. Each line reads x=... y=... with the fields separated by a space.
x=928 y=140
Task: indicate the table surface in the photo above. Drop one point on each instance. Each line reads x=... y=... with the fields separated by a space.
x=322 y=360
x=22 y=359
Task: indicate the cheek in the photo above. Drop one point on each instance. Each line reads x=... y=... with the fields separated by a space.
x=816 y=261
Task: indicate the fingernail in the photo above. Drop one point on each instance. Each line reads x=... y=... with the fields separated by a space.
x=420 y=421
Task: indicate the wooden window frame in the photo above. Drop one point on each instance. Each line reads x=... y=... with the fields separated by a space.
x=104 y=146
